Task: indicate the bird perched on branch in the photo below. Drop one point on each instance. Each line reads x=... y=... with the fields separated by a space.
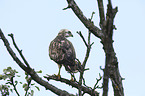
x=63 y=53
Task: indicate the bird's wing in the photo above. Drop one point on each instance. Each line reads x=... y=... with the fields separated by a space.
x=55 y=52
x=69 y=52
x=62 y=52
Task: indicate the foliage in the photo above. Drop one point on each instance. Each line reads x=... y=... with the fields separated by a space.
x=4 y=89
x=9 y=75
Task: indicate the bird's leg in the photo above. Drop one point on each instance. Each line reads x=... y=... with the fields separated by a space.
x=59 y=66
x=73 y=77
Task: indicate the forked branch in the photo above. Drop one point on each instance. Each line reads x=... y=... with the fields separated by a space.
x=73 y=84
x=111 y=69
x=101 y=11
x=88 y=24
x=31 y=72
x=20 y=51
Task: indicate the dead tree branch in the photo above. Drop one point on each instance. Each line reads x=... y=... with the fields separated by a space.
x=20 y=51
x=81 y=35
x=101 y=11
x=88 y=24
x=12 y=83
x=74 y=84
x=111 y=64
x=31 y=72
x=88 y=45
x=111 y=69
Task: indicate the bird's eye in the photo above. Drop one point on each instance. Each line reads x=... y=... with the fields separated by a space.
x=69 y=32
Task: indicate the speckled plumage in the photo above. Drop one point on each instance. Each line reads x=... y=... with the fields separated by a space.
x=62 y=51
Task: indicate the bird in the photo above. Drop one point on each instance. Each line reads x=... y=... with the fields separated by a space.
x=62 y=51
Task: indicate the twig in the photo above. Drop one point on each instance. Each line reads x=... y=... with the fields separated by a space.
x=92 y=15
x=101 y=11
x=80 y=33
x=85 y=84
x=74 y=84
x=95 y=86
x=29 y=82
x=101 y=68
x=85 y=60
x=88 y=45
x=20 y=51
x=91 y=27
x=31 y=72
x=12 y=83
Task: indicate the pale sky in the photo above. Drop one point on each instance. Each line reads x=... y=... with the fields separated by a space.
x=35 y=23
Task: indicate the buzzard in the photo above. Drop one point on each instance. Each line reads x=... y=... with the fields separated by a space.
x=63 y=53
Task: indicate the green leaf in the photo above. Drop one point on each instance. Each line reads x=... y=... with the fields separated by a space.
x=9 y=68
x=26 y=77
x=11 y=90
x=5 y=77
x=37 y=88
x=28 y=93
x=1 y=76
x=20 y=82
x=8 y=83
x=26 y=88
x=40 y=71
x=18 y=75
x=0 y=87
x=24 y=85
x=8 y=80
x=32 y=92
x=33 y=84
x=16 y=82
x=5 y=71
x=29 y=79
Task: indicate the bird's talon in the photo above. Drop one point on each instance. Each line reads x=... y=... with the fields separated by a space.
x=58 y=76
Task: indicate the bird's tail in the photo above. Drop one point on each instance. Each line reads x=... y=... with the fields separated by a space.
x=75 y=68
x=78 y=64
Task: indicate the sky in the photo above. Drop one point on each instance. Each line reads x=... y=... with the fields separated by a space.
x=35 y=23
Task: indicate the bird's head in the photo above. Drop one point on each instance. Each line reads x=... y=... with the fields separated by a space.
x=65 y=32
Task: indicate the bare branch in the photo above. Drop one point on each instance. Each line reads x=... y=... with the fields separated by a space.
x=88 y=24
x=20 y=51
x=11 y=52
x=88 y=45
x=73 y=84
x=111 y=64
x=80 y=33
x=12 y=83
x=28 y=83
x=105 y=81
x=101 y=11
x=95 y=86
x=92 y=16
x=106 y=35
x=31 y=72
x=88 y=51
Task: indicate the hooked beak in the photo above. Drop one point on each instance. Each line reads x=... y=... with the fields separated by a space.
x=71 y=35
